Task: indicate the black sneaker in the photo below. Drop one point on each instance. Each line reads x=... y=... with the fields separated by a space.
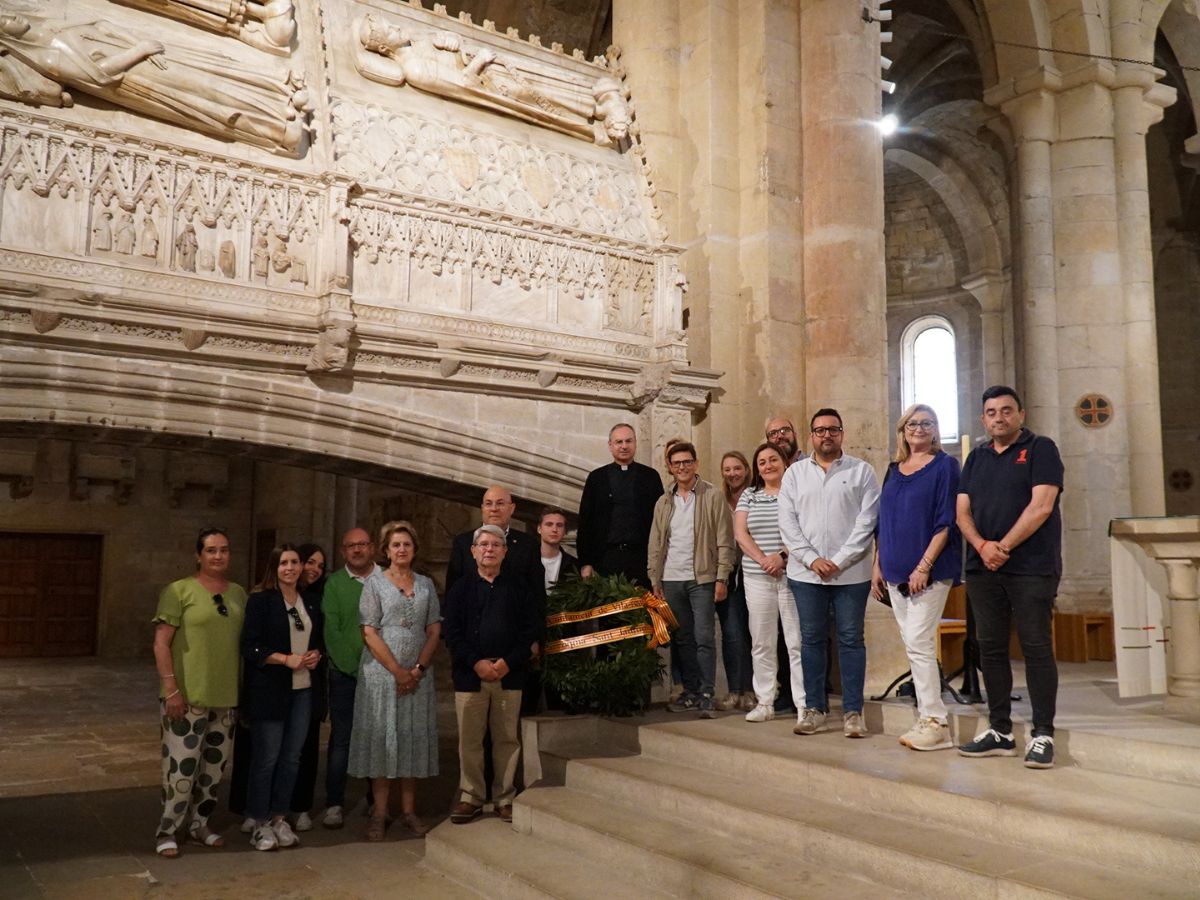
x=990 y=743
x=1039 y=752
x=684 y=703
x=707 y=707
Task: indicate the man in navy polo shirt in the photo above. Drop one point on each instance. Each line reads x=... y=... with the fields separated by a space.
x=1008 y=513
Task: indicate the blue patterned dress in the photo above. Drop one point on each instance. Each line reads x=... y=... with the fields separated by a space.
x=395 y=736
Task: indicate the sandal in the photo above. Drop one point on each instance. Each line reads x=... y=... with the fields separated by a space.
x=166 y=848
x=204 y=835
x=412 y=823
x=376 y=828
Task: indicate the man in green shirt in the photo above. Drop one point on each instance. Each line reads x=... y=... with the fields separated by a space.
x=344 y=646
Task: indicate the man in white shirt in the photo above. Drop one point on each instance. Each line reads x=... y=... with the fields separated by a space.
x=828 y=506
x=552 y=527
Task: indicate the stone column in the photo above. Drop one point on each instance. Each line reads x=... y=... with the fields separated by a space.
x=1138 y=103
x=1183 y=669
x=845 y=296
x=1032 y=118
x=993 y=291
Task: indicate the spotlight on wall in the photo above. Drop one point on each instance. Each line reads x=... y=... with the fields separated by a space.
x=888 y=124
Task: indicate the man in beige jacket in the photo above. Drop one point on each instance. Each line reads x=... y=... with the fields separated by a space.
x=690 y=555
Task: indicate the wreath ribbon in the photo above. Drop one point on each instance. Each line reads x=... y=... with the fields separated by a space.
x=658 y=629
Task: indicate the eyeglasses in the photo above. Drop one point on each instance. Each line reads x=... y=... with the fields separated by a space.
x=780 y=432
x=222 y=609
x=357 y=545
x=822 y=430
x=490 y=545
x=681 y=463
x=296 y=620
x=922 y=425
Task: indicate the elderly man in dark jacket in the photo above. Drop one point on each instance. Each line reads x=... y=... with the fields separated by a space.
x=490 y=621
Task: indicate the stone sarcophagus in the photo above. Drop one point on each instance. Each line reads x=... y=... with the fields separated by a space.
x=428 y=224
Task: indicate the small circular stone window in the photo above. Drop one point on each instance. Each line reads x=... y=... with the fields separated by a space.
x=1180 y=480
x=1094 y=410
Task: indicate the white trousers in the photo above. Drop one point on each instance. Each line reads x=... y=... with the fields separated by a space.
x=769 y=600
x=918 y=618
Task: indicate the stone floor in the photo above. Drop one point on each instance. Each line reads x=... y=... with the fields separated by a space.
x=79 y=793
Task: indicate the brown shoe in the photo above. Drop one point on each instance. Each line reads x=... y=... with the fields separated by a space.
x=465 y=812
x=505 y=812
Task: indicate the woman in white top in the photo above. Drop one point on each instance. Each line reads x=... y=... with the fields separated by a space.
x=764 y=565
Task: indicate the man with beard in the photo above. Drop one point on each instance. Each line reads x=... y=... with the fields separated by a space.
x=828 y=507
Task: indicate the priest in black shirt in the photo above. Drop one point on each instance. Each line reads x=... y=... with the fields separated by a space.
x=616 y=510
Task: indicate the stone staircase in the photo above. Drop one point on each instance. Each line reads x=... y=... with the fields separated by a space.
x=664 y=807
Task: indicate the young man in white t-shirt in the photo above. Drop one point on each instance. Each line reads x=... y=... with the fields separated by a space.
x=552 y=527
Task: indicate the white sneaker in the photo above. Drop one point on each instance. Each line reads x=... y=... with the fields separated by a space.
x=284 y=834
x=810 y=722
x=333 y=817
x=264 y=838
x=304 y=822
x=764 y=712
x=927 y=734
x=248 y=825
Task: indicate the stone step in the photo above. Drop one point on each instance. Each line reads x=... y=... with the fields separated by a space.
x=920 y=855
x=1118 y=754
x=679 y=858
x=490 y=858
x=1125 y=821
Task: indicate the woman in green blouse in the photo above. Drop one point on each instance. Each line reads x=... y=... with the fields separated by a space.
x=196 y=632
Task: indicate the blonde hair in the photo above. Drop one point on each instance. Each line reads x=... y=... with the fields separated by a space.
x=390 y=528
x=902 y=450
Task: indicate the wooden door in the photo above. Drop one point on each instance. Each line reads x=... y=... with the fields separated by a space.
x=49 y=594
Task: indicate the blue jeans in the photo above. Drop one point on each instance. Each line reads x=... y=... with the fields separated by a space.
x=341 y=723
x=735 y=639
x=276 y=759
x=849 y=604
x=694 y=640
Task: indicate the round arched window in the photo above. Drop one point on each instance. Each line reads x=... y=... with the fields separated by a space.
x=929 y=370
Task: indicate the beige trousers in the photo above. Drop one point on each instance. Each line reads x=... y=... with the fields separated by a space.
x=489 y=707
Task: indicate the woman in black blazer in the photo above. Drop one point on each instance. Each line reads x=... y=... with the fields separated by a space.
x=281 y=645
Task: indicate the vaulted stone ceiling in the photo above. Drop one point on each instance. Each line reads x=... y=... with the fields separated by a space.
x=944 y=170
x=576 y=24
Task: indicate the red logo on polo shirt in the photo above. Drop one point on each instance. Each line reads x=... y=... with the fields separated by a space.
x=1021 y=457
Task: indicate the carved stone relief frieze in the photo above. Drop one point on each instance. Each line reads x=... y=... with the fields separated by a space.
x=49 y=60
x=269 y=25
x=405 y=152
x=620 y=284
x=147 y=209
x=583 y=101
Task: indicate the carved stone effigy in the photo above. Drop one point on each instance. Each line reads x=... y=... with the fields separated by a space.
x=42 y=60
x=444 y=64
x=425 y=243
x=269 y=25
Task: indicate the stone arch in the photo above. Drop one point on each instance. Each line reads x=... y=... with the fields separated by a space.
x=1023 y=22
x=1181 y=31
x=962 y=198
x=286 y=419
